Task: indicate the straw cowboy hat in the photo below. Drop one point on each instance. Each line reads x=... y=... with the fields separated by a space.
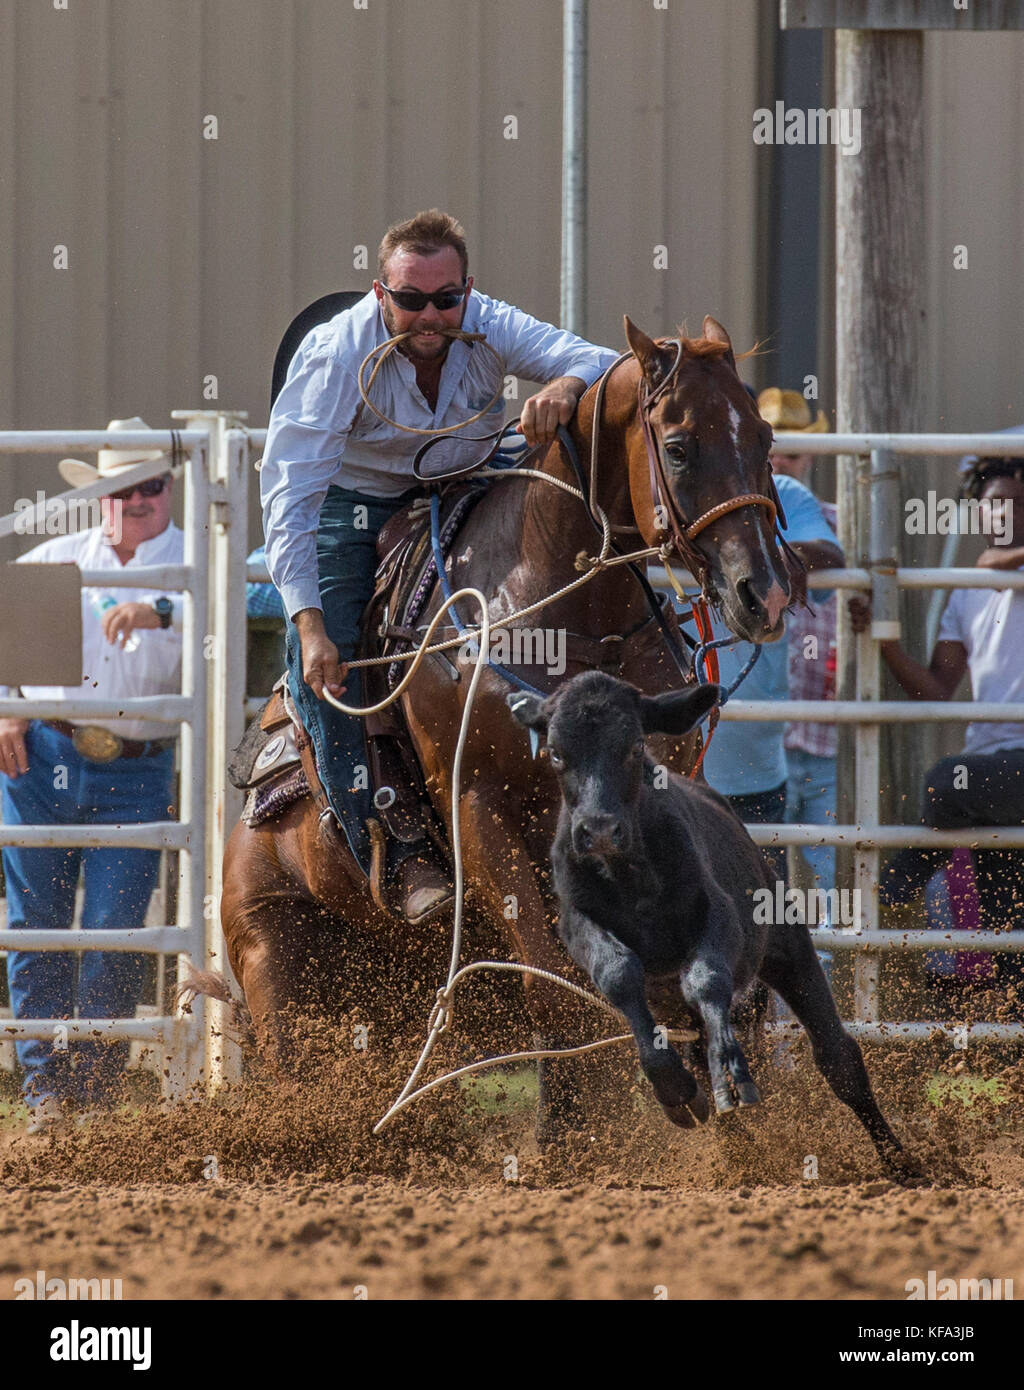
x=110 y=461
x=787 y=410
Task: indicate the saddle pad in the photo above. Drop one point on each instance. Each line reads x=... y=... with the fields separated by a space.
x=269 y=798
x=414 y=603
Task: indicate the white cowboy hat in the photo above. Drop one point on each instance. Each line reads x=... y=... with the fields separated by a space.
x=110 y=461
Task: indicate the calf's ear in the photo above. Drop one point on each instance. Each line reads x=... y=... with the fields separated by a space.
x=530 y=710
x=678 y=711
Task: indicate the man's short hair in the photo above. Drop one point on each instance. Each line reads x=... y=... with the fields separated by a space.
x=425 y=234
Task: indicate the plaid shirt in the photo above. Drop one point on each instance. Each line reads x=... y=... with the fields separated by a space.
x=812 y=666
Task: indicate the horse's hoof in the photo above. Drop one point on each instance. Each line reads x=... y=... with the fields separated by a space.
x=698 y=1104
x=748 y=1093
x=904 y=1169
x=724 y=1102
x=680 y=1115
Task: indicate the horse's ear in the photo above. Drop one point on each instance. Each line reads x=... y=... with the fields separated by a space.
x=715 y=333
x=655 y=362
x=530 y=710
x=678 y=711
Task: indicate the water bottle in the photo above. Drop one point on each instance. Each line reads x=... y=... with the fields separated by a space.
x=100 y=604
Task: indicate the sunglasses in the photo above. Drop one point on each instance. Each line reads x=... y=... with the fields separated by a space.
x=415 y=300
x=152 y=487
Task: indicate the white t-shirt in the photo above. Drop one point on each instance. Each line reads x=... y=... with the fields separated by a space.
x=110 y=672
x=989 y=623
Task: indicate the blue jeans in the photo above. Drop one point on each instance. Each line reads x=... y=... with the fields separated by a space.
x=765 y=808
x=346 y=548
x=811 y=800
x=62 y=788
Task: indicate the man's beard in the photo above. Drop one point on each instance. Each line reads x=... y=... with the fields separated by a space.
x=407 y=349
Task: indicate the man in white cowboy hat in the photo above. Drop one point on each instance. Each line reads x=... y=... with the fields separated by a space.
x=111 y=771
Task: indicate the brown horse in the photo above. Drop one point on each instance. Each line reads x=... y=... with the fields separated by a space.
x=682 y=457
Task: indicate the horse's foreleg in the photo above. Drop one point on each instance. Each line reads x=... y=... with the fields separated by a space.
x=501 y=870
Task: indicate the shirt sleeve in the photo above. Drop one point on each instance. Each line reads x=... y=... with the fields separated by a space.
x=309 y=425
x=805 y=521
x=951 y=628
x=541 y=352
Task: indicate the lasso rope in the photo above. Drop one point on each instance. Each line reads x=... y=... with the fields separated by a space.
x=386 y=349
x=441 y=1015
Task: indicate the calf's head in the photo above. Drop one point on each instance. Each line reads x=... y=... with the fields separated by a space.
x=595 y=728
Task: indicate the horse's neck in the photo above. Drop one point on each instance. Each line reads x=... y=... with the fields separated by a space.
x=557 y=527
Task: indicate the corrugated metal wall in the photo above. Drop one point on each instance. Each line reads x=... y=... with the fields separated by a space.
x=187 y=257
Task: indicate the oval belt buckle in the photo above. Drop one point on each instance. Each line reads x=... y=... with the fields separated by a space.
x=96 y=744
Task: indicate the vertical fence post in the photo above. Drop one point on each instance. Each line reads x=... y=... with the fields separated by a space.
x=185 y=1060
x=229 y=548
x=224 y=664
x=883 y=501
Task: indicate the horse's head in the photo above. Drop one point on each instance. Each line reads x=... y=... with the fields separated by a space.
x=710 y=448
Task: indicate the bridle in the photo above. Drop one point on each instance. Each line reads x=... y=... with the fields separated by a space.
x=678 y=532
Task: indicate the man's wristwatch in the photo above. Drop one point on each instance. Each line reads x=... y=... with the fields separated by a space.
x=164 y=608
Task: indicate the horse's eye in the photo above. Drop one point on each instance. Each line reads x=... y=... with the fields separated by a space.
x=675 y=452
x=556 y=760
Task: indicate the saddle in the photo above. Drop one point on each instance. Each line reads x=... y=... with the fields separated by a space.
x=275 y=763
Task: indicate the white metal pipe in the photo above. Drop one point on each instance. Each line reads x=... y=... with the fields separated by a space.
x=146 y=1029
x=163 y=709
x=162 y=940
x=175 y=577
x=833 y=939
x=873 y=711
x=916 y=1032
x=987 y=445
x=194 y=873
x=145 y=835
x=888 y=836
x=91 y=441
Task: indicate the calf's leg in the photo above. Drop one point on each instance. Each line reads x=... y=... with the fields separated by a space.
x=619 y=974
x=708 y=988
x=791 y=967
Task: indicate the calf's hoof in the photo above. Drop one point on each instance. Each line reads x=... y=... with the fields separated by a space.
x=687 y=1116
x=745 y=1093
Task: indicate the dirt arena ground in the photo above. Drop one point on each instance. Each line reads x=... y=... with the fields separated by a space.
x=283 y=1193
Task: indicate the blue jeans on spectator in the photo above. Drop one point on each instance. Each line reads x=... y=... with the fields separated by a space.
x=346 y=547
x=63 y=788
x=765 y=808
x=811 y=800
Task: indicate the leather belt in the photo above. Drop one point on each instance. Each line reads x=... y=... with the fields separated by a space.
x=102 y=746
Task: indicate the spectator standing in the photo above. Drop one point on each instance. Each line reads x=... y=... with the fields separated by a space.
x=113 y=771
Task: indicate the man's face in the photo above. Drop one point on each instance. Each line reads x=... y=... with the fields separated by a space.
x=138 y=518
x=796 y=466
x=429 y=274
x=1002 y=502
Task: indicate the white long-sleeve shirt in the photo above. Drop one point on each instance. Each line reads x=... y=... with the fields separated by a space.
x=108 y=671
x=321 y=434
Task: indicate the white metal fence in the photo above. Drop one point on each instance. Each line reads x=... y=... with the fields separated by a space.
x=212 y=709
x=183 y=1038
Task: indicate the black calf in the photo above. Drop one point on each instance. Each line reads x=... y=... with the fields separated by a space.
x=655 y=877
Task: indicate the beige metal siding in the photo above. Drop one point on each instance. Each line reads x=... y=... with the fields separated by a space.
x=189 y=256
